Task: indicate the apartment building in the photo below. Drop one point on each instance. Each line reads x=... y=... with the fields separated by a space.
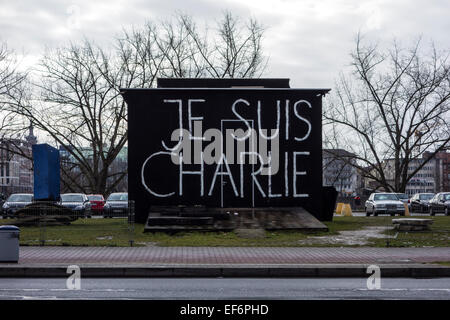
x=339 y=172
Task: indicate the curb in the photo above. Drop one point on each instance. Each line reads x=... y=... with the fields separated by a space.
x=235 y=271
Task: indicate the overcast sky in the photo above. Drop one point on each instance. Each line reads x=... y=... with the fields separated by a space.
x=307 y=41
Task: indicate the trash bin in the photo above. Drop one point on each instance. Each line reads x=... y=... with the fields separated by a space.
x=9 y=243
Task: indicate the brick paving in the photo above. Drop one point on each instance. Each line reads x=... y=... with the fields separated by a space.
x=228 y=255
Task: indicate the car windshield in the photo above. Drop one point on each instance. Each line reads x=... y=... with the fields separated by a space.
x=95 y=198
x=426 y=196
x=20 y=198
x=71 y=198
x=118 y=197
x=402 y=196
x=447 y=197
x=385 y=196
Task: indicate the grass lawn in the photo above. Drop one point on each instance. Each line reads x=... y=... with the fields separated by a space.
x=114 y=232
x=444 y=263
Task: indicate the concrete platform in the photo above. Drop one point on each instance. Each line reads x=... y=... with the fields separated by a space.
x=412 y=224
x=174 y=219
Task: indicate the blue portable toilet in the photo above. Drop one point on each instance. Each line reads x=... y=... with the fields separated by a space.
x=46 y=172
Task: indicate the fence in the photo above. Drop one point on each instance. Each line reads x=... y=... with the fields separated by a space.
x=50 y=224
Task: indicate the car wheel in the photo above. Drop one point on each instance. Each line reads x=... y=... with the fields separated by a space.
x=447 y=212
x=375 y=214
x=431 y=211
x=367 y=212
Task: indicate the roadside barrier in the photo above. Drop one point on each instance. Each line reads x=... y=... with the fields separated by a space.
x=52 y=224
x=347 y=210
x=406 y=210
x=339 y=208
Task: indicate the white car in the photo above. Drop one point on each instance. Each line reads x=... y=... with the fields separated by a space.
x=384 y=203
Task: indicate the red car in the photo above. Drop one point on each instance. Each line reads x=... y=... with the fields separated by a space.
x=97 y=202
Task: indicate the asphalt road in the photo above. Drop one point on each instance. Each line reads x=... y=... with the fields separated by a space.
x=230 y=288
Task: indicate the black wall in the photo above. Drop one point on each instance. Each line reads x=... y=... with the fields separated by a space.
x=154 y=113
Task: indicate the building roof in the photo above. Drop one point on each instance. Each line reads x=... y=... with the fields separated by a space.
x=338 y=153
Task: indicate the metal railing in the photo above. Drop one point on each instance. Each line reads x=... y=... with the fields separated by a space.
x=41 y=223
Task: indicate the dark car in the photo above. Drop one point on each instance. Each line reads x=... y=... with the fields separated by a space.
x=403 y=197
x=77 y=202
x=97 y=202
x=116 y=204
x=419 y=202
x=2 y=201
x=440 y=204
x=15 y=202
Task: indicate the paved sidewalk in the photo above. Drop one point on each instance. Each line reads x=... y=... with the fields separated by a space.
x=214 y=262
x=228 y=255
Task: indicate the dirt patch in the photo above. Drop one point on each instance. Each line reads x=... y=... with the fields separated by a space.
x=352 y=237
x=147 y=244
x=250 y=233
x=105 y=238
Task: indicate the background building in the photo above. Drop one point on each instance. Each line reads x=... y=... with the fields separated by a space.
x=444 y=158
x=74 y=180
x=16 y=165
x=339 y=172
x=433 y=177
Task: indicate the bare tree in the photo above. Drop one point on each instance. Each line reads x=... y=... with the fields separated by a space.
x=179 y=49
x=338 y=169
x=391 y=110
x=78 y=103
x=11 y=80
x=79 y=109
x=15 y=153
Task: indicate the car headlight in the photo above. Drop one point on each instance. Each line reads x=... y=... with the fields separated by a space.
x=5 y=206
x=78 y=208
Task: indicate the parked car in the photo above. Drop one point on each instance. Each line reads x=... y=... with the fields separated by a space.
x=77 y=202
x=419 y=202
x=440 y=204
x=2 y=201
x=384 y=203
x=403 y=197
x=97 y=203
x=117 y=203
x=15 y=202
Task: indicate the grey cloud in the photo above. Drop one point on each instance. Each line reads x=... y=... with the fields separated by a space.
x=307 y=45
